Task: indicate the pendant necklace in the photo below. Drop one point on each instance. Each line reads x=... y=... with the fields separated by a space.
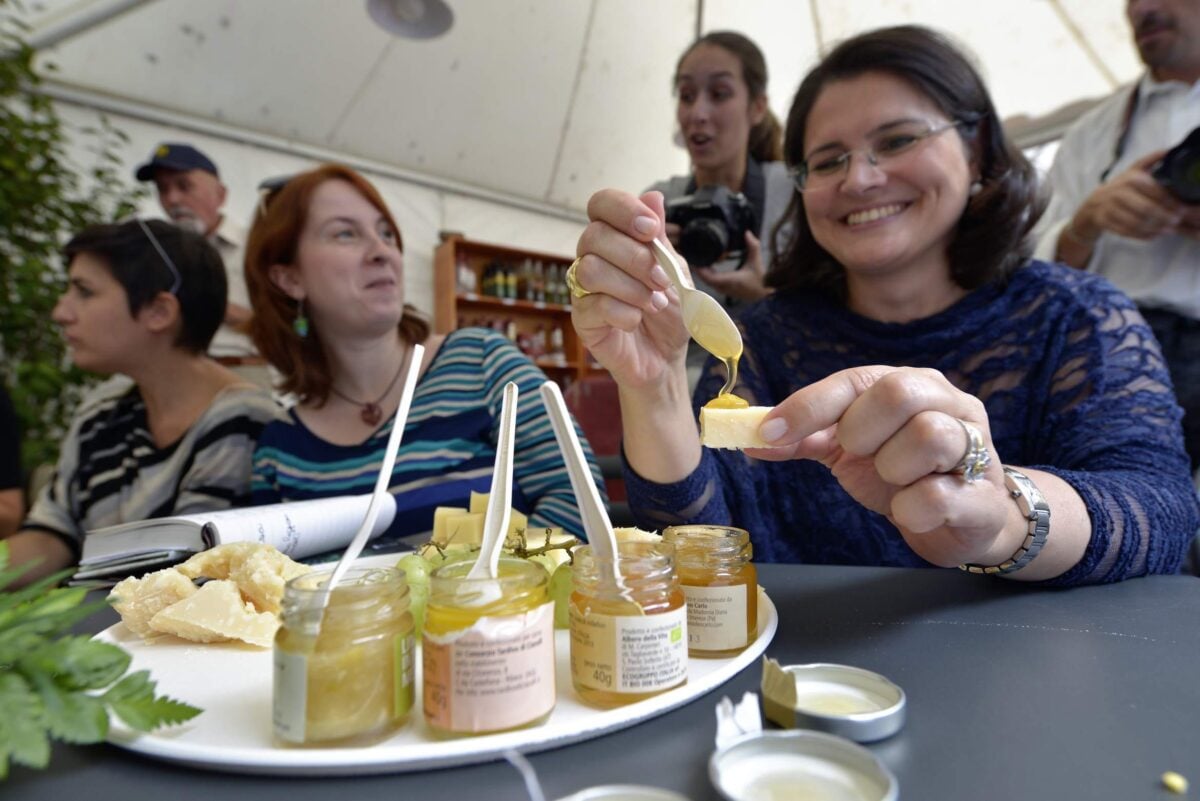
x=371 y=413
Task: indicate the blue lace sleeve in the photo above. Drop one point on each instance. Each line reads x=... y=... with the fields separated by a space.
x=1073 y=382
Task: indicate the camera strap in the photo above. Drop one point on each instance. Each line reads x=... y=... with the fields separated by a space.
x=1123 y=135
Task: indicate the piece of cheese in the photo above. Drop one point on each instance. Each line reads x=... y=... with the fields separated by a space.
x=441 y=515
x=216 y=613
x=479 y=502
x=260 y=577
x=634 y=534
x=732 y=428
x=216 y=562
x=259 y=570
x=137 y=600
x=464 y=531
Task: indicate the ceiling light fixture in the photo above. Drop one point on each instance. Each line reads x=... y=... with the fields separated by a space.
x=412 y=19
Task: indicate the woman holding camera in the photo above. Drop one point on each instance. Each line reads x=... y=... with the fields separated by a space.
x=735 y=144
x=939 y=398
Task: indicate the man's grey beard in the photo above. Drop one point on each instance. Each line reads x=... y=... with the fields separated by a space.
x=186 y=219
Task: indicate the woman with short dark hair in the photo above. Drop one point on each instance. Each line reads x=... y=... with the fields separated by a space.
x=914 y=355
x=143 y=301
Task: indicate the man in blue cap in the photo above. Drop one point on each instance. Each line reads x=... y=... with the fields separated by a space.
x=191 y=194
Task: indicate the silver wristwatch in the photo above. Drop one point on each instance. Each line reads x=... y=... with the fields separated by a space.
x=1034 y=508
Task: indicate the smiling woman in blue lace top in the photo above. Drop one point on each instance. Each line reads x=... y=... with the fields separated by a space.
x=931 y=384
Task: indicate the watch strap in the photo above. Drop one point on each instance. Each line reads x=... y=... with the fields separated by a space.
x=1035 y=510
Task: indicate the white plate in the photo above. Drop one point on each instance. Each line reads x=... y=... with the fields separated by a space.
x=232 y=684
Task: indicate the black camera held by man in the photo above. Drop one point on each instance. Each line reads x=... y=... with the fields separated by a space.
x=713 y=221
x=1179 y=170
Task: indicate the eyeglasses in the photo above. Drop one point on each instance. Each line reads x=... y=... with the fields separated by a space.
x=268 y=188
x=178 y=282
x=829 y=167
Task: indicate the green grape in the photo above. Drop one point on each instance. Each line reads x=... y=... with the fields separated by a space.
x=545 y=561
x=416 y=571
x=561 y=587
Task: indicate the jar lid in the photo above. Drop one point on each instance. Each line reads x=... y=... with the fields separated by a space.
x=625 y=792
x=799 y=764
x=839 y=699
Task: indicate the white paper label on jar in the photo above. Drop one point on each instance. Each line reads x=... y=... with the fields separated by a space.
x=289 y=707
x=627 y=653
x=716 y=617
x=498 y=674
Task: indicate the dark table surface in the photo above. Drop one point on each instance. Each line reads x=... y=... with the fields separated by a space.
x=1013 y=693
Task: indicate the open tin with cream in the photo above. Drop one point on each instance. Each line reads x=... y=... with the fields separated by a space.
x=796 y=765
x=848 y=701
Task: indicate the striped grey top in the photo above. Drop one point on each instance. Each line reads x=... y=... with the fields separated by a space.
x=110 y=471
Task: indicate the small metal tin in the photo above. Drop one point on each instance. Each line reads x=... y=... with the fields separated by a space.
x=625 y=792
x=799 y=764
x=839 y=699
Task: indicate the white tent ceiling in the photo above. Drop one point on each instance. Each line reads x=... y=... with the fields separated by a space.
x=536 y=100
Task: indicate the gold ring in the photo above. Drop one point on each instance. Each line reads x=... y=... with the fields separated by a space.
x=975 y=458
x=577 y=290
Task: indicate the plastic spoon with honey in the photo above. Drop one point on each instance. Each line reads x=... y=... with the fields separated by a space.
x=596 y=524
x=703 y=316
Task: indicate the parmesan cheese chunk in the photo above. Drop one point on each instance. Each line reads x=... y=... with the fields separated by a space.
x=635 y=534
x=732 y=428
x=216 y=613
x=137 y=600
x=259 y=570
x=261 y=576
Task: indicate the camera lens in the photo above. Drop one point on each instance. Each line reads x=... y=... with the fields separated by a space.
x=703 y=241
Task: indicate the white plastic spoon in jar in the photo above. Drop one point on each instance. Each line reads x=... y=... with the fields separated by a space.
x=484 y=574
x=381 y=482
x=596 y=524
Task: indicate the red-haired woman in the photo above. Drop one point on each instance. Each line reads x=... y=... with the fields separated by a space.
x=325 y=273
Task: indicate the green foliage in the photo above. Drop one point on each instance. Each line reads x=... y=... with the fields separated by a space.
x=54 y=685
x=44 y=199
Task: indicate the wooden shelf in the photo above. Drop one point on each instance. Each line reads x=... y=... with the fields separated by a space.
x=454 y=309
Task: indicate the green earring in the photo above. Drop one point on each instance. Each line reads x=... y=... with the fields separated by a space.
x=300 y=324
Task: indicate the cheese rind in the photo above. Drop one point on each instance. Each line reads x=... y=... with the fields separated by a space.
x=732 y=428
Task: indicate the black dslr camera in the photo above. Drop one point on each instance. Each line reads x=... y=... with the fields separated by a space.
x=1179 y=170
x=712 y=221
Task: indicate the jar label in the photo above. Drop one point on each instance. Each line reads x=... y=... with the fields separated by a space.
x=289 y=707
x=629 y=654
x=716 y=617
x=498 y=674
x=402 y=675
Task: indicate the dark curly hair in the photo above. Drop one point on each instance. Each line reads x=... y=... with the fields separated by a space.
x=992 y=236
x=138 y=266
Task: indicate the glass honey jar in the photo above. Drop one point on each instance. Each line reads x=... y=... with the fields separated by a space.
x=721 y=587
x=488 y=649
x=344 y=673
x=625 y=648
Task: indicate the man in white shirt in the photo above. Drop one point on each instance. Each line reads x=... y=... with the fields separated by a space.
x=191 y=194
x=1108 y=213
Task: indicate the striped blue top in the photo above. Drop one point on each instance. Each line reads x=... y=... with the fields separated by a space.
x=448 y=448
